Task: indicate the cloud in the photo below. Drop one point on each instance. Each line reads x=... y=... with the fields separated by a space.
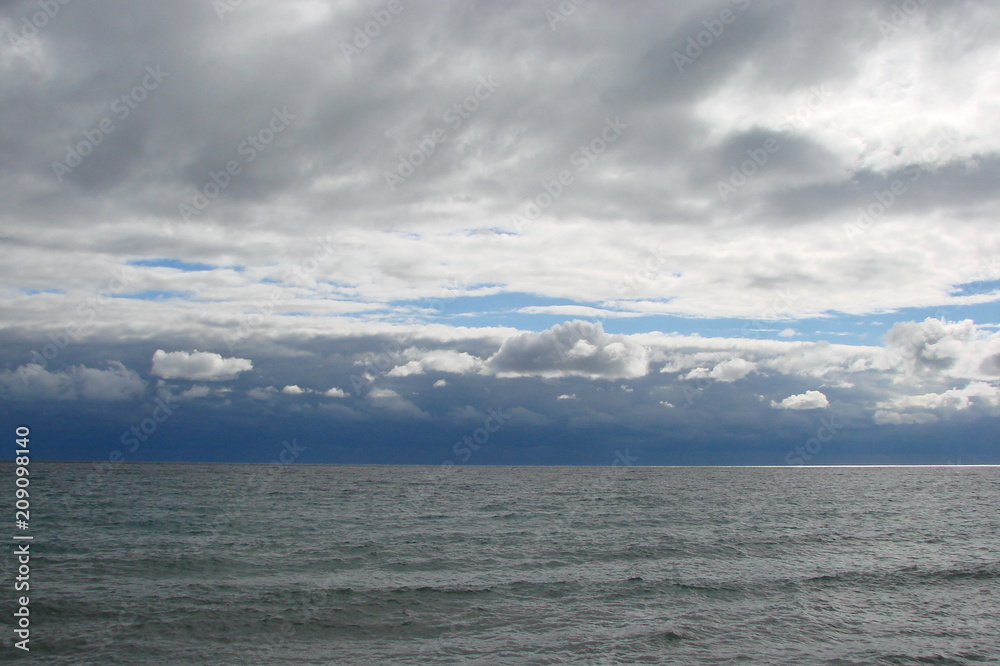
x=658 y=228
x=931 y=345
x=939 y=347
x=885 y=417
x=576 y=311
x=262 y=393
x=575 y=348
x=525 y=416
x=200 y=366
x=807 y=400
x=32 y=381
x=268 y=392
x=818 y=359
x=455 y=269
x=196 y=392
x=952 y=399
x=388 y=401
x=727 y=371
x=439 y=360
x=466 y=415
x=930 y=407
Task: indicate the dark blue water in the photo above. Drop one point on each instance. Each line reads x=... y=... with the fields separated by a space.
x=284 y=564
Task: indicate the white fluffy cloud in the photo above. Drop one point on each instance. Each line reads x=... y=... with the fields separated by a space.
x=32 y=381
x=200 y=366
x=439 y=360
x=727 y=371
x=929 y=407
x=807 y=400
x=804 y=359
x=575 y=348
x=268 y=392
x=936 y=346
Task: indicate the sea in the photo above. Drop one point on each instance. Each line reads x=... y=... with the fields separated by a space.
x=156 y=563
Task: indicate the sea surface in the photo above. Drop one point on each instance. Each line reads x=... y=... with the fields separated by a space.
x=295 y=564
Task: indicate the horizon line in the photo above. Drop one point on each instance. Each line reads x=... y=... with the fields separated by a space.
x=316 y=464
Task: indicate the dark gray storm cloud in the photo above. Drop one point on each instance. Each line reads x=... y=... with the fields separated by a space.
x=354 y=115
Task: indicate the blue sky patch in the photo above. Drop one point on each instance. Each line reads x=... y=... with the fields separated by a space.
x=154 y=295
x=977 y=287
x=189 y=266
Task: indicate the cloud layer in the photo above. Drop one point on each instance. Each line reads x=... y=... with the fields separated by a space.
x=196 y=365
x=641 y=226
x=807 y=400
x=575 y=348
x=605 y=193
x=32 y=381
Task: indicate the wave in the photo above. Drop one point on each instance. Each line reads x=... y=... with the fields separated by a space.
x=910 y=575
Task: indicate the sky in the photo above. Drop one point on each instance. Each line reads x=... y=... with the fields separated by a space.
x=458 y=233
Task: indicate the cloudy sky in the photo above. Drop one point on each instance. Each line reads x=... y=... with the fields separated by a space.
x=734 y=232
